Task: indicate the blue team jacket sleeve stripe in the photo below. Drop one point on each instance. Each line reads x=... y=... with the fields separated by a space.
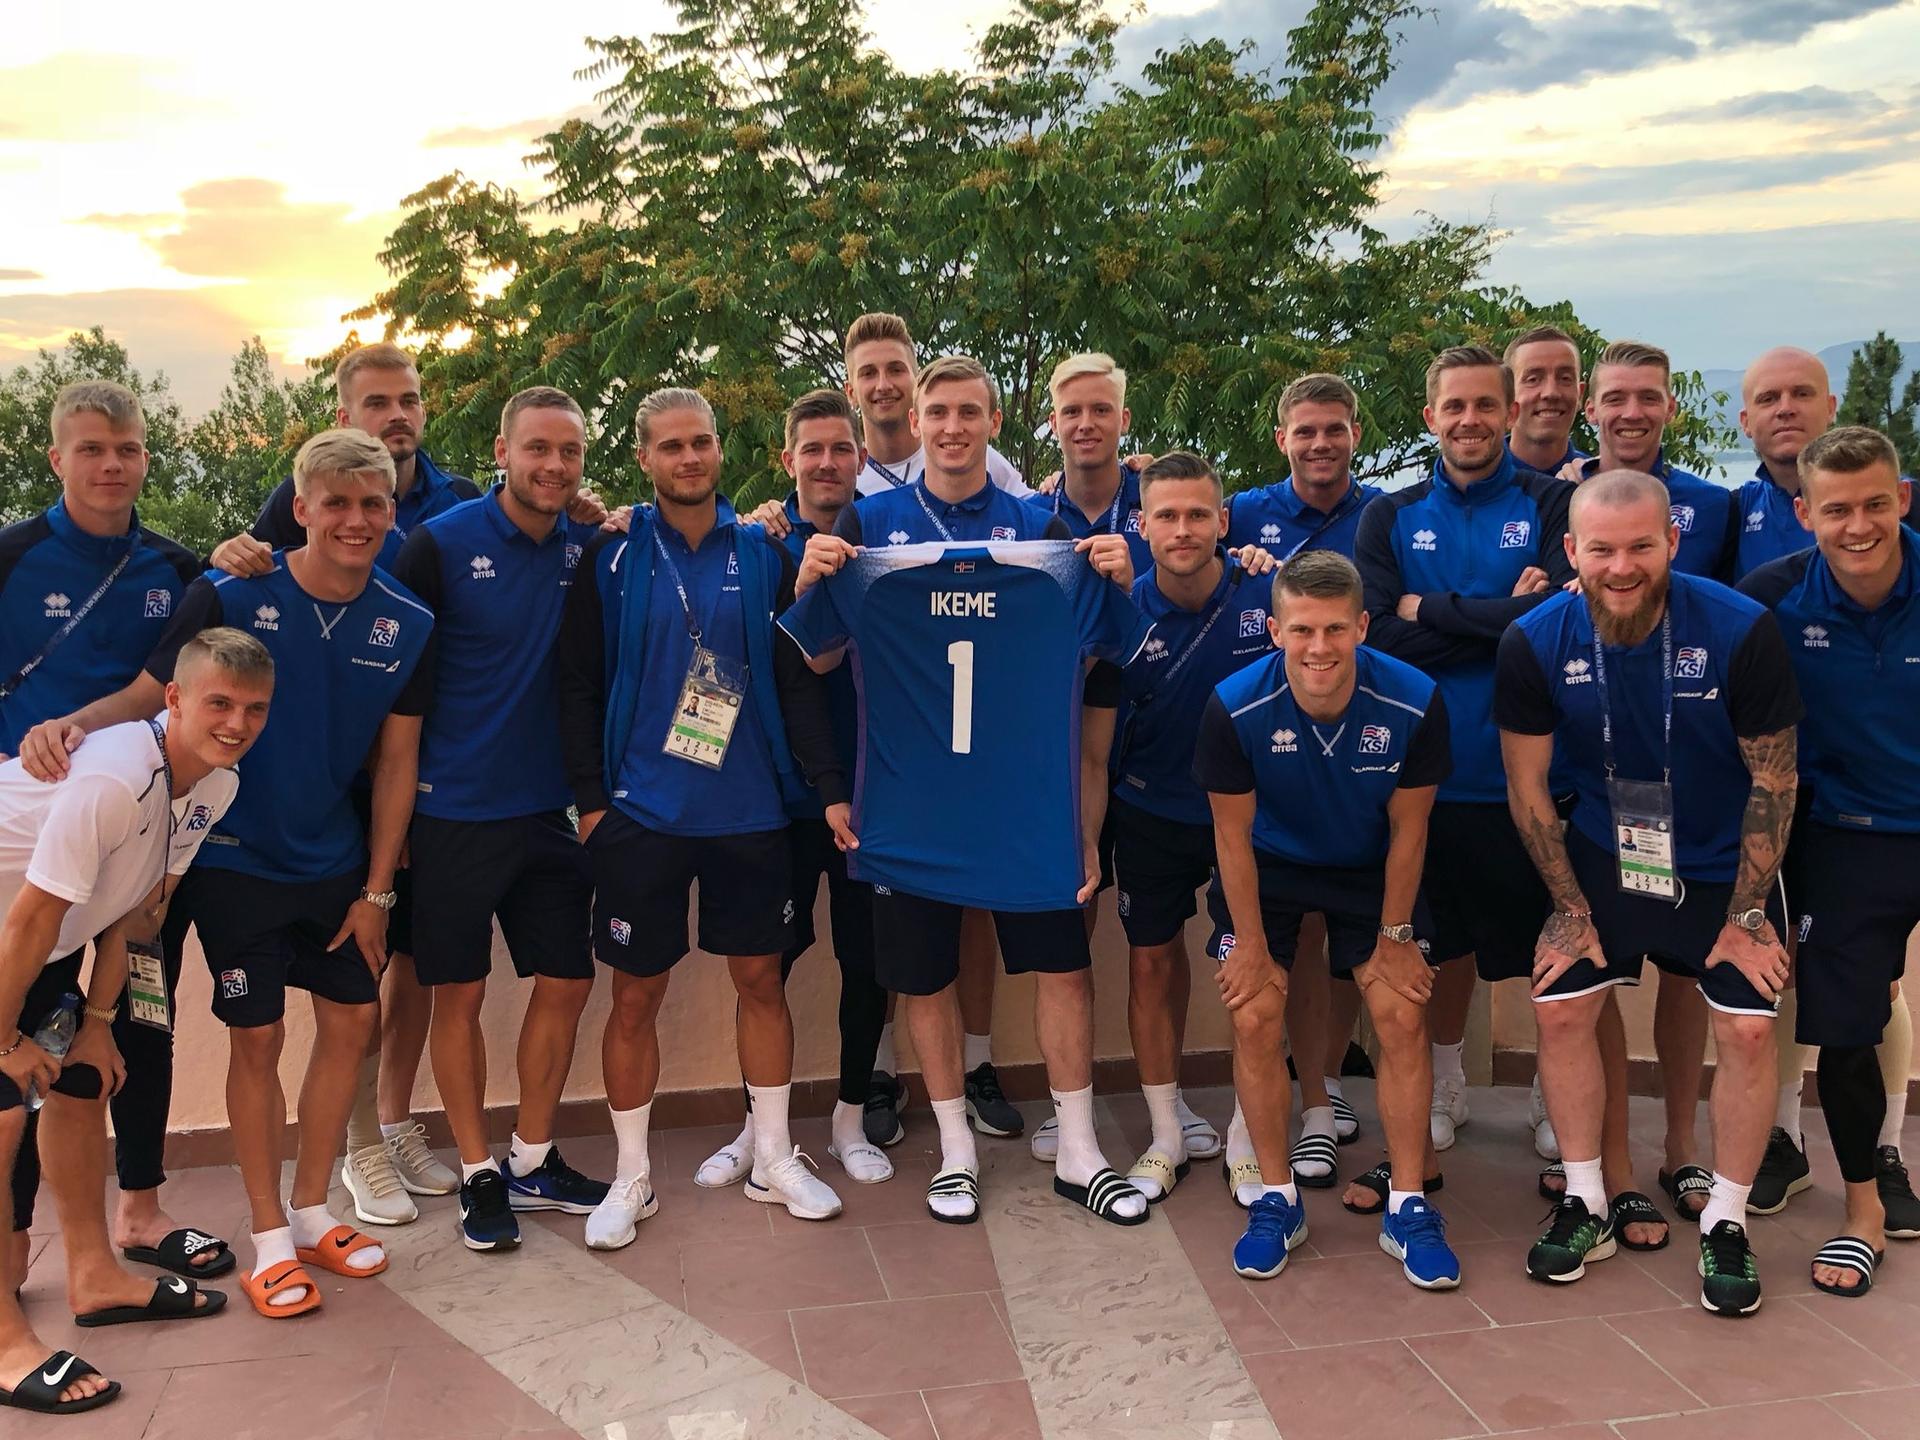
x=1389 y=700
x=1256 y=704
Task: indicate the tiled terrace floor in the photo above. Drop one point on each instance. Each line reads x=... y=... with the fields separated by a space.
x=727 y=1321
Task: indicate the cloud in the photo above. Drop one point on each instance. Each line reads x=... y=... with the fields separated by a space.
x=1771 y=22
x=191 y=335
x=20 y=275
x=76 y=96
x=521 y=132
x=1812 y=101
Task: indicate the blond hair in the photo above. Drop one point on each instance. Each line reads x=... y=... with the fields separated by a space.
x=232 y=652
x=955 y=367
x=876 y=325
x=659 y=402
x=1327 y=389
x=1467 y=357
x=379 y=356
x=343 y=452
x=1092 y=362
x=119 y=405
x=1632 y=355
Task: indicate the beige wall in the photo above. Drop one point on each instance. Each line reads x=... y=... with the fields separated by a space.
x=696 y=1026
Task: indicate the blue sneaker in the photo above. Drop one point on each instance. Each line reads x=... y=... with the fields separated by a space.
x=556 y=1185
x=1417 y=1238
x=486 y=1219
x=1274 y=1226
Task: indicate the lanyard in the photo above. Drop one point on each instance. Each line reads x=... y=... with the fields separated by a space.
x=1112 y=525
x=1193 y=645
x=80 y=612
x=885 y=474
x=166 y=799
x=1339 y=513
x=673 y=574
x=920 y=494
x=1666 y=696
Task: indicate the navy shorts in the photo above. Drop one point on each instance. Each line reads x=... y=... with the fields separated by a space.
x=917 y=942
x=261 y=936
x=1487 y=899
x=849 y=902
x=529 y=870
x=1859 y=899
x=643 y=880
x=1161 y=864
x=1349 y=898
x=1677 y=938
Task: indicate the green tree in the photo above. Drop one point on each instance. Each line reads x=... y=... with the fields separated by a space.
x=1872 y=375
x=760 y=175
x=247 y=441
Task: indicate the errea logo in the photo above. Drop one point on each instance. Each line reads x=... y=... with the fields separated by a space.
x=1683 y=518
x=59 y=606
x=1814 y=637
x=1578 y=672
x=1155 y=648
x=898 y=537
x=266 y=617
x=1756 y=521
x=483 y=567
x=1424 y=540
x=1285 y=742
x=1269 y=534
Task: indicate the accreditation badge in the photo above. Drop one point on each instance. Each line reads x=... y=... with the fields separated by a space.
x=147 y=986
x=708 y=709
x=1643 y=837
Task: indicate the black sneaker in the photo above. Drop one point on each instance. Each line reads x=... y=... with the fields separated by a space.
x=1729 y=1276
x=990 y=1110
x=1896 y=1193
x=1573 y=1239
x=1784 y=1173
x=886 y=1098
x=486 y=1217
x=556 y=1185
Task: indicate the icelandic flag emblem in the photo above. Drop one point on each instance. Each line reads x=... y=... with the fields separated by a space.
x=1252 y=622
x=1513 y=534
x=386 y=630
x=1374 y=739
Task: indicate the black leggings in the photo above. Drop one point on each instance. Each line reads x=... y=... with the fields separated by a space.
x=863 y=1003
x=1854 y=1098
x=863 y=1014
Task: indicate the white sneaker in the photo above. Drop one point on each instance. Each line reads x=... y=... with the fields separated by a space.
x=865 y=1163
x=1545 y=1143
x=378 y=1196
x=1045 y=1143
x=419 y=1168
x=728 y=1165
x=629 y=1201
x=1449 y=1112
x=787 y=1181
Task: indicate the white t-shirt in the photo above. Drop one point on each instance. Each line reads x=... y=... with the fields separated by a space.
x=876 y=477
x=99 y=838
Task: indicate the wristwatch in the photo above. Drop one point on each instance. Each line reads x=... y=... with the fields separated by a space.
x=1748 y=920
x=1399 y=934
x=380 y=899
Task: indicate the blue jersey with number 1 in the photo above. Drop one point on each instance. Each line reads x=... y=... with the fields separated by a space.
x=968 y=661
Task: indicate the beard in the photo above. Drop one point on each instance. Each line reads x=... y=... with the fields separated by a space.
x=1624 y=631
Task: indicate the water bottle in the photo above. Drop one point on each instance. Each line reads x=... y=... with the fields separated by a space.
x=55 y=1036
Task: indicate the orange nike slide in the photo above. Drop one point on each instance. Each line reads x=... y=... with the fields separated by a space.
x=287 y=1274
x=336 y=1247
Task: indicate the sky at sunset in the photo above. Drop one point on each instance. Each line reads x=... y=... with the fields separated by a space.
x=1714 y=175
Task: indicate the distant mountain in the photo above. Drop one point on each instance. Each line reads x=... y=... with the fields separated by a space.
x=1835 y=357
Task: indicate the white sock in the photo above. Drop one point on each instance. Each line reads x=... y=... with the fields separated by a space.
x=1447 y=1063
x=271 y=1248
x=1586 y=1183
x=884 y=1057
x=1397 y=1198
x=849 y=1125
x=1080 y=1158
x=1896 y=1117
x=630 y=1137
x=524 y=1158
x=957 y=1150
x=1317 y=1121
x=467 y=1172
x=979 y=1052
x=1239 y=1142
x=1786 y=1114
x=1726 y=1201
x=1332 y=1083
x=393 y=1132
x=1289 y=1191
x=771 y=1138
x=310 y=1224
x=1163 y=1110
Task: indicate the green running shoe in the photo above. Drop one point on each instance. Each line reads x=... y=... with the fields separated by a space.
x=1729 y=1276
x=1573 y=1239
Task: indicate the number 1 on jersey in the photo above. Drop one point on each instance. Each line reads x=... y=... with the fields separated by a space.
x=960 y=657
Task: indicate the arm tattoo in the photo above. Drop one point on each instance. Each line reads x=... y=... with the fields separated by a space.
x=1546 y=841
x=1770 y=761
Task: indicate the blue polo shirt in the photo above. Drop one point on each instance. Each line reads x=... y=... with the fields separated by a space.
x=433 y=490
x=1461 y=552
x=1703 y=512
x=490 y=744
x=1121 y=515
x=48 y=568
x=1278 y=520
x=1731 y=682
x=1858 y=753
x=1565 y=460
x=1161 y=705
x=914 y=515
x=1320 y=787
x=842 y=703
x=339 y=670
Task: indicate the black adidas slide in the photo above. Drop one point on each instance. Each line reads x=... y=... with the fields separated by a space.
x=1346 y=1120
x=955 y=1182
x=40 y=1391
x=1101 y=1195
x=1380 y=1181
x=172 y=1299
x=177 y=1253
x=1844 y=1252
x=1315 y=1149
x=1630 y=1207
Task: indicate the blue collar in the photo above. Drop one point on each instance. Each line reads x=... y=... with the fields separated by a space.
x=800 y=523
x=1480 y=491
x=1128 y=495
x=1565 y=460
x=974 y=503
x=1153 y=600
x=1297 y=504
x=1661 y=469
x=63 y=526
x=1760 y=473
x=502 y=524
x=1827 y=592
